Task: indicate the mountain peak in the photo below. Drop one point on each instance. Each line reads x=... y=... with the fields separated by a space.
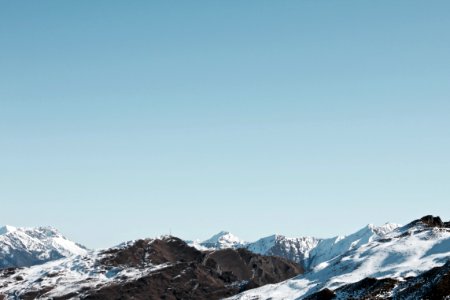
x=7 y=228
x=223 y=239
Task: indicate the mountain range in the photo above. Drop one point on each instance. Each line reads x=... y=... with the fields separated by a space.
x=388 y=261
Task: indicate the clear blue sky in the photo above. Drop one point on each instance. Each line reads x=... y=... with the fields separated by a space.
x=125 y=119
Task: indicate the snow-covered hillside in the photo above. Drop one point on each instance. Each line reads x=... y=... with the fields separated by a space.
x=378 y=252
x=327 y=249
x=21 y=247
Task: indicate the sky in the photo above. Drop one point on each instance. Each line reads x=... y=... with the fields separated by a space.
x=130 y=119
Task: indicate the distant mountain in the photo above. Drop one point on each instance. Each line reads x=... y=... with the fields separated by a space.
x=222 y=240
x=23 y=247
x=306 y=251
x=164 y=268
x=295 y=249
x=401 y=262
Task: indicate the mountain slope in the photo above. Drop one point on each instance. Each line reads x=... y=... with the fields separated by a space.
x=165 y=268
x=21 y=247
x=404 y=252
x=432 y=284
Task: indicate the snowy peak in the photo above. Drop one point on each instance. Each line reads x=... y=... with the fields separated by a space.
x=6 y=229
x=222 y=240
x=383 y=229
x=21 y=247
x=296 y=249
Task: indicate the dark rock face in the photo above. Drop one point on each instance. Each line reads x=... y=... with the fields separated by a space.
x=181 y=281
x=431 y=221
x=257 y=269
x=368 y=288
x=325 y=294
x=192 y=274
x=433 y=284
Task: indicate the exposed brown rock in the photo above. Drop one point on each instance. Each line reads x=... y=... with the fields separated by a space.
x=181 y=281
x=144 y=252
x=431 y=221
x=325 y=294
x=258 y=269
x=368 y=288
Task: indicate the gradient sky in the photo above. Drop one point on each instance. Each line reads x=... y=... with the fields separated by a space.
x=127 y=119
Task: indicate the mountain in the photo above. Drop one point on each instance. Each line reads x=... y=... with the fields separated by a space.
x=221 y=240
x=22 y=247
x=295 y=249
x=389 y=258
x=164 y=268
x=306 y=251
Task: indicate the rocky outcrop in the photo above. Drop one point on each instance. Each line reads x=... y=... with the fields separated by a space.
x=430 y=221
x=256 y=269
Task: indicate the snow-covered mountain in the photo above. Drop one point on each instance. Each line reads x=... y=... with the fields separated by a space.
x=389 y=251
x=295 y=249
x=162 y=268
x=221 y=240
x=21 y=247
x=306 y=251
